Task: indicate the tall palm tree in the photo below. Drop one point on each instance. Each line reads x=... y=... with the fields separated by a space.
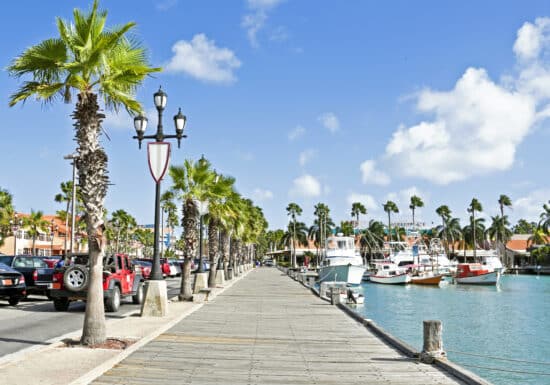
x=169 y=207
x=356 y=209
x=499 y=230
x=89 y=60
x=372 y=238
x=296 y=234
x=453 y=232
x=544 y=222
x=390 y=207
x=445 y=213
x=472 y=231
x=415 y=202
x=324 y=223
x=293 y=210
x=35 y=224
x=504 y=200
x=474 y=206
x=193 y=182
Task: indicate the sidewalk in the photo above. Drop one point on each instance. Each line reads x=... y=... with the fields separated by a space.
x=56 y=364
x=268 y=329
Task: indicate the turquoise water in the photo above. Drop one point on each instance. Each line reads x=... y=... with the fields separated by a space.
x=509 y=321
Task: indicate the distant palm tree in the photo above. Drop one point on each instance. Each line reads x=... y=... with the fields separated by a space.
x=35 y=224
x=445 y=213
x=539 y=237
x=504 y=200
x=372 y=238
x=390 y=207
x=6 y=214
x=293 y=210
x=472 y=231
x=544 y=222
x=474 y=206
x=499 y=229
x=454 y=232
x=415 y=202
x=356 y=209
x=296 y=234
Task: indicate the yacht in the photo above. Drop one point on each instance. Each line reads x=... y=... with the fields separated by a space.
x=342 y=262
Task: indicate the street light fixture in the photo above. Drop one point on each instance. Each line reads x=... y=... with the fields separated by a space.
x=202 y=208
x=158 y=153
x=15 y=224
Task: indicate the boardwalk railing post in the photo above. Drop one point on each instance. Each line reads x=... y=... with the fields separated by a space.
x=334 y=295
x=433 y=341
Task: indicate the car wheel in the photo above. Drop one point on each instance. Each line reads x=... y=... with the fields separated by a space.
x=13 y=301
x=112 y=304
x=61 y=304
x=76 y=278
x=138 y=297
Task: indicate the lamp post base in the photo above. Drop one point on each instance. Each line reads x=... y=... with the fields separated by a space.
x=201 y=282
x=155 y=303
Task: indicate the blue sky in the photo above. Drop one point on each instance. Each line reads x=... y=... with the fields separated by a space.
x=313 y=101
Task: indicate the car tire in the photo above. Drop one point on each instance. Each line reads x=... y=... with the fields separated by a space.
x=13 y=301
x=138 y=297
x=61 y=304
x=112 y=303
x=76 y=278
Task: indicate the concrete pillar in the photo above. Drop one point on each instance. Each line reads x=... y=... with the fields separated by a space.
x=311 y=281
x=433 y=341
x=201 y=281
x=220 y=277
x=155 y=301
x=334 y=296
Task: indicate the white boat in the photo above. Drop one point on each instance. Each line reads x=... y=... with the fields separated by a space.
x=390 y=273
x=351 y=297
x=342 y=262
x=491 y=261
x=476 y=274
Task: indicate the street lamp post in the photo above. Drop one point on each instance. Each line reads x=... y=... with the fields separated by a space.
x=202 y=208
x=53 y=229
x=158 y=153
x=15 y=224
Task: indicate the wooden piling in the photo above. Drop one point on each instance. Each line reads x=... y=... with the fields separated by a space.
x=433 y=341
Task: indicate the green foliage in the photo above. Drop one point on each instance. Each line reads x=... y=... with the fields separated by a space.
x=541 y=254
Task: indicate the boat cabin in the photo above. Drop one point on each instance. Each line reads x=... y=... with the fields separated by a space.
x=470 y=269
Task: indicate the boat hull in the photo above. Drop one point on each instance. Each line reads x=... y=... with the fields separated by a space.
x=399 y=279
x=342 y=273
x=434 y=280
x=490 y=278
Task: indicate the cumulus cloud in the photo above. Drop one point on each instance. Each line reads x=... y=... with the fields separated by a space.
x=254 y=21
x=330 y=121
x=306 y=156
x=530 y=38
x=367 y=200
x=476 y=129
x=259 y=195
x=306 y=186
x=529 y=207
x=203 y=60
x=296 y=133
x=370 y=175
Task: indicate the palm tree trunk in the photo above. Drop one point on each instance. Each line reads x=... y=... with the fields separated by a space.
x=389 y=226
x=191 y=237
x=93 y=180
x=213 y=247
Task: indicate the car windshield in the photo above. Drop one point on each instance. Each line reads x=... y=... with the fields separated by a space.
x=6 y=259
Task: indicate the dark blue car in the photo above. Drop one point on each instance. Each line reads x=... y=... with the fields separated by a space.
x=12 y=284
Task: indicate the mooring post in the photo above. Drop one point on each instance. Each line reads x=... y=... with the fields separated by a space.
x=433 y=341
x=334 y=295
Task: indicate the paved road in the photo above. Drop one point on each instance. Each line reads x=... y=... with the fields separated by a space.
x=34 y=321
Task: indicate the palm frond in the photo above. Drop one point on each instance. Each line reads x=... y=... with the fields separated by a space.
x=45 y=92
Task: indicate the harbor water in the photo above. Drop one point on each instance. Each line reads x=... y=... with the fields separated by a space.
x=480 y=323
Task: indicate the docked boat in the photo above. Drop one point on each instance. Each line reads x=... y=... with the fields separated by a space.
x=351 y=297
x=342 y=262
x=476 y=274
x=426 y=278
x=390 y=273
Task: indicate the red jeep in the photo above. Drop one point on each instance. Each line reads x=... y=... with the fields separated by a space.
x=119 y=280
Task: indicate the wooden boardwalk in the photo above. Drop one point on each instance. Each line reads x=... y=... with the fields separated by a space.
x=268 y=329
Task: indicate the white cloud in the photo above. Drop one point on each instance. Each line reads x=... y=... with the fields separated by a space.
x=203 y=60
x=330 y=121
x=476 y=129
x=305 y=186
x=296 y=133
x=370 y=175
x=259 y=195
x=120 y=120
x=530 y=38
x=367 y=200
x=306 y=156
x=529 y=207
x=253 y=22
x=166 y=5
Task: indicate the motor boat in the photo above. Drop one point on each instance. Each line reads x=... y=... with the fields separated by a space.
x=476 y=274
x=390 y=273
x=342 y=261
x=426 y=278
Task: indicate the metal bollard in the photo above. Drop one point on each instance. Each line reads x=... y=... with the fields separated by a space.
x=433 y=341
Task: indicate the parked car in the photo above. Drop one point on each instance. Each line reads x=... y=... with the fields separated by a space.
x=145 y=268
x=120 y=279
x=175 y=268
x=164 y=265
x=268 y=263
x=38 y=276
x=205 y=264
x=12 y=284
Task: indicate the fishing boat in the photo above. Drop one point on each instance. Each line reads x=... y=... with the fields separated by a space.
x=426 y=278
x=390 y=273
x=342 y=262
x=476 y=274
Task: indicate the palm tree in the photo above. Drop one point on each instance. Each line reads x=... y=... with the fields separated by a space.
x=293 y=210
x=544 y=222
x=474 y=206
x=169 y=207
x=89 y=60
x=192 y=183
x=356 y=209
x=539 y=237
x=390 y=207
x=6 y=213
x=472 y=231
x=35 y=225
x=324 y=224
x=147 y=240
x=453 y=232
x=296 y=234
x=504 y=200
x=445 y=213
x=415 y=202
x=372 y=238
x=499 y=230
